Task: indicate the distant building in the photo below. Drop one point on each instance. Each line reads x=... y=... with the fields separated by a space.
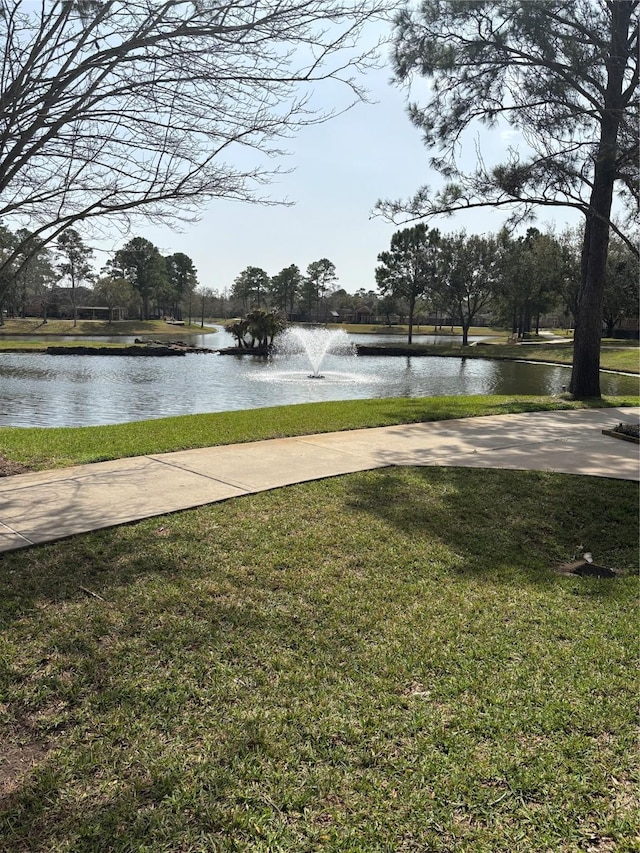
x=59 y=305
x=629 y=327
x=101 y=312
x=360 y=314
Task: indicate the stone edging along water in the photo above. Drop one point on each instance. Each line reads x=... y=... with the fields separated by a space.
x=140 y=348
x=126 y=350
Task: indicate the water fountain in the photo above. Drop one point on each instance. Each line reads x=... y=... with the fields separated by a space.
x=315 y=344
x=45 y=391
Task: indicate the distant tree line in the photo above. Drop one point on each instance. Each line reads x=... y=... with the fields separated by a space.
x=289 y=291
x=138 y=279
x=511 y=280
x=514 y=280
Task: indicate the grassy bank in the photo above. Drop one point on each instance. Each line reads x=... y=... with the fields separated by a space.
x=403 y=330
x=35 y=326
x=51 y=447
x=624 y=358
x=379 y=662
x=613 y=355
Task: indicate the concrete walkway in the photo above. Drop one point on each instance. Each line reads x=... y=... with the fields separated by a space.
x=48 y=505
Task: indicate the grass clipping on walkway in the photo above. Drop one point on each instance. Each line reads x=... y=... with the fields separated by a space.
x=379 y=662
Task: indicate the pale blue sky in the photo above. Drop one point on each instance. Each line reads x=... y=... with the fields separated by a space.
x=340 y=169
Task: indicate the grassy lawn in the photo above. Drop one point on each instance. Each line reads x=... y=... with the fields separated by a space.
x=52 y=447
x=446 y=331
x=623 y=356
x=620 y=357
x=34 y=326
x=378 y=662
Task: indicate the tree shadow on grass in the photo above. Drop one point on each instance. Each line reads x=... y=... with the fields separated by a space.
x=508 y=526
x=494 y=521
x=502 y=527
x=100 y=670
x=128 y=817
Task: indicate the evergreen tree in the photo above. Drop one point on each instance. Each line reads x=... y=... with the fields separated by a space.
x=141 y=263
x=75 y=264
x=251 y=287
x=284 y=288
x=563 y=74
x=319 y=280
x=182 y=281
x=408 y=269
x=620 y=286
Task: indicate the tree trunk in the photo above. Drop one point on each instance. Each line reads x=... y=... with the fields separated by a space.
x=585 y=375
x=411 y=309
x=73 y=302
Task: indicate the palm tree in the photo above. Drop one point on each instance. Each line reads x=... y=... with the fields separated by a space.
x=263 y=326
x=238 y=329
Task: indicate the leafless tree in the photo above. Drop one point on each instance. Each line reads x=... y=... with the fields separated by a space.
x=115 y=109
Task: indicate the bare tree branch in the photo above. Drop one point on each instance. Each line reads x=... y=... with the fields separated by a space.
x=122 y=108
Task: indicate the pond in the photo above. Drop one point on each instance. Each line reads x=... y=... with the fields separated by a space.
x=45 y=390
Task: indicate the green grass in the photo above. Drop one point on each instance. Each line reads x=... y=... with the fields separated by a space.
x=612 y=356
x=620 y=357
x=50 y=447
x=378 y=662
x=34 y=326
x=615 y=356
x=422 y=329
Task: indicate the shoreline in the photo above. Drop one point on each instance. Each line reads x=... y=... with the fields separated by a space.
x=180 y=348
x=160 y=343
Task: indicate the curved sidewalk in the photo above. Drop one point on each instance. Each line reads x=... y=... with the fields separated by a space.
x=48 y=505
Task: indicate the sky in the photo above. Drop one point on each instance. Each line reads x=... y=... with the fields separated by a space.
x=339 y=170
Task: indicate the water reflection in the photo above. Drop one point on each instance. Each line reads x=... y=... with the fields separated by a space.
x=42 y=390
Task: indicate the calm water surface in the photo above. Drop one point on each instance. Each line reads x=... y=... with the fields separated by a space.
x=43 y=390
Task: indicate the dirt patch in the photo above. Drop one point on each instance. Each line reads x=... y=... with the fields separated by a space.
x=17 y=762
x=8 y=468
